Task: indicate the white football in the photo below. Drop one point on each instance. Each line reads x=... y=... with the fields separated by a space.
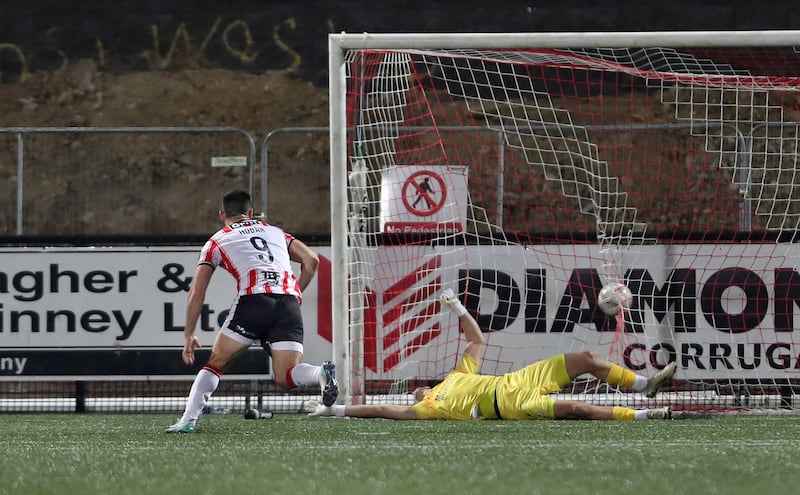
x=614 y=297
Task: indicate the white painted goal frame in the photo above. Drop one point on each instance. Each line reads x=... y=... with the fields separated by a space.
x=345 y=307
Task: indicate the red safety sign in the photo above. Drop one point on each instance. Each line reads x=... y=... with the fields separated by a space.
x=424 y=193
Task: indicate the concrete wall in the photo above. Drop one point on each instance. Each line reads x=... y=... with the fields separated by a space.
x=259 y=35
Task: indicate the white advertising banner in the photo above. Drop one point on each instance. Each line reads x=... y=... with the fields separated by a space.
x=96 y=311
x=714 y=318
x=123 y=302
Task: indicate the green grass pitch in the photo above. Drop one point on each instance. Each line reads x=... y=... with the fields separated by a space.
x=128 y=454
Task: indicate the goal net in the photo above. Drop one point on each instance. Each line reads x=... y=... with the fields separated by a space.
x=528 y=171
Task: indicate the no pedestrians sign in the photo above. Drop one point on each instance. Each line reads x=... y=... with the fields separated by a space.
x=424 y=199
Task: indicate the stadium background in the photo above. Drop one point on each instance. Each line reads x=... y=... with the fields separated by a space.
x=248 y=64
x=50 y=74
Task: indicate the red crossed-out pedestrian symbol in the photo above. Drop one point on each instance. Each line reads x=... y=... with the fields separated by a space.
x=424 y=193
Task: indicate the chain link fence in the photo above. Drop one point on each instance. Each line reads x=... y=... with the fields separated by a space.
x=127 y=181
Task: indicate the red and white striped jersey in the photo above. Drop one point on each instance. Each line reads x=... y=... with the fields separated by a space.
x=256 y=254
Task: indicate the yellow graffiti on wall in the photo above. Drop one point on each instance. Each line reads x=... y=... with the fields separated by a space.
x=297 y=61
x=246 y=54
x=181 y=50
x=101 y=53
x=236 y=37
x=23 y=62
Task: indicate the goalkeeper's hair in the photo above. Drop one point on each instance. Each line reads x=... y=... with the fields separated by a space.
x=236 y=203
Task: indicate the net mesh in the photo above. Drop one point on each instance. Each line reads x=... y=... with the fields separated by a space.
x=526 y=180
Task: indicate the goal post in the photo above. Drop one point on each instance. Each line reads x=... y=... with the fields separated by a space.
x=527 y=170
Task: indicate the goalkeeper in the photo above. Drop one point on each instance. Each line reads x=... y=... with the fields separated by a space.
x=524 y=394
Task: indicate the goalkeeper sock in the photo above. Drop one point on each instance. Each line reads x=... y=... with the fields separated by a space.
x=625 y=414
x=205 y=383
x=625 y=377
x=640 y=383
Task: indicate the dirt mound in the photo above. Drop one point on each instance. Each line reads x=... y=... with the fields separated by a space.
x=84 y=96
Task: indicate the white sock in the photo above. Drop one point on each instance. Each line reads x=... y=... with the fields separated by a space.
x=205 y=383
x=640 y=383
x=304 y=374
x=640 y=414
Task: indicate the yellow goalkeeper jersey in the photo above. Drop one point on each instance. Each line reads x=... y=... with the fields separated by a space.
x=459 y=393
x=523 y=394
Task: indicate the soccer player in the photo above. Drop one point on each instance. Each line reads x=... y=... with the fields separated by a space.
x=464 y=394
x=266 y=308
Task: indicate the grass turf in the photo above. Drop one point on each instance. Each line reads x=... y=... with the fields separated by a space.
x=128 y=454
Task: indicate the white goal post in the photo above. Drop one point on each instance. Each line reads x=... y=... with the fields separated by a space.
x=527 y=170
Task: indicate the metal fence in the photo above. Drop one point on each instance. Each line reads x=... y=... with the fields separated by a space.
x=500 y=147
x=167 y=181
x=94 y=181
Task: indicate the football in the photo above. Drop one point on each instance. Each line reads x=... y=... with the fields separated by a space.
x=253 y=413
x=614 y=297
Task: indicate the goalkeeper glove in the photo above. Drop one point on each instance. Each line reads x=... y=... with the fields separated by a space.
x=321 y=410
x=451 y=302
x=318 y=409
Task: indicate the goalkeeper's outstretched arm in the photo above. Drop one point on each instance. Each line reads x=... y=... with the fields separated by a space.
x=472 y=332
x=387 y=411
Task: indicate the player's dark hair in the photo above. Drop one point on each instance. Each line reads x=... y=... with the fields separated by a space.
x=236 y=203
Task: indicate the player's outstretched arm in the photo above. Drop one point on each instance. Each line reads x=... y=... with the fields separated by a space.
x=472 y=332
x=387 y=411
